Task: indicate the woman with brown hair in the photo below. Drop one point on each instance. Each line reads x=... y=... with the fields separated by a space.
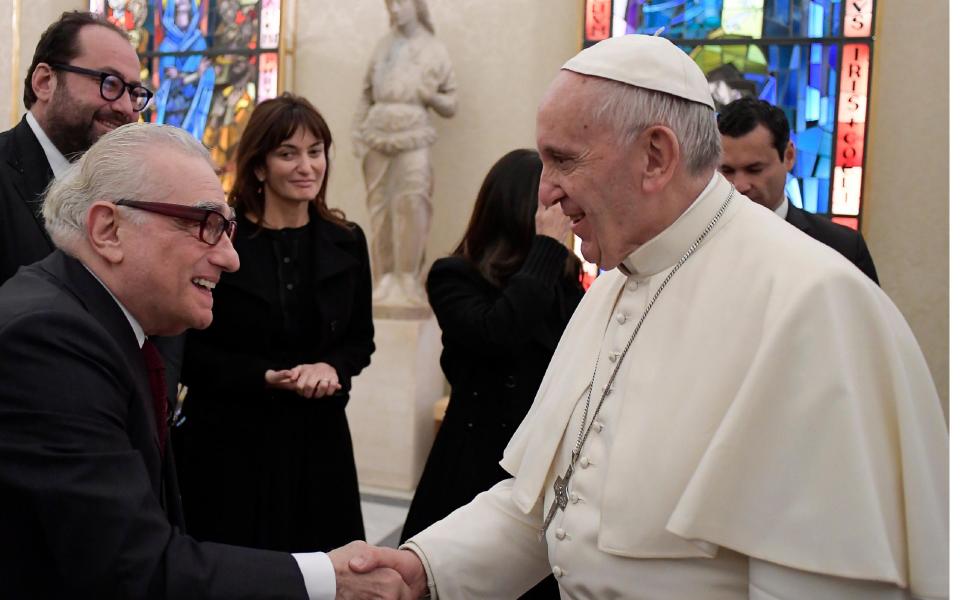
x=502 y=300
x=264 y=453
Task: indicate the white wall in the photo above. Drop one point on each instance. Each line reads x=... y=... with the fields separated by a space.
x=906 y=194
x=6 y=77
x=35 y=16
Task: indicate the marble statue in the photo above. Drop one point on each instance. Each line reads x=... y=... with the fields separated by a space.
x=410 y=72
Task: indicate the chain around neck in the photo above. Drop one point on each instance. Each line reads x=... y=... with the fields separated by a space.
x=584 y=427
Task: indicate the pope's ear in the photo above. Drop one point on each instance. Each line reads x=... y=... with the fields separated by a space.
x=663 y=157
x=103 y=230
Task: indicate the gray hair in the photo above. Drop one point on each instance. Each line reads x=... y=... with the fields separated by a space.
x=630 y=110
x=116 y=167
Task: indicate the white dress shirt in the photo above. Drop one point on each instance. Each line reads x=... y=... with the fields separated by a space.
x=58 y=162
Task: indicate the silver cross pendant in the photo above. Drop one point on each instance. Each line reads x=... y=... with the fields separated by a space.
x=560 y=488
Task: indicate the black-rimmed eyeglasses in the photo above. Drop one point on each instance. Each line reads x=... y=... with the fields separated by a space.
x=112 y=86
x=212 y=224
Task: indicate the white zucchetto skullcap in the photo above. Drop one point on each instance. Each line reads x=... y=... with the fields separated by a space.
x=644 y=61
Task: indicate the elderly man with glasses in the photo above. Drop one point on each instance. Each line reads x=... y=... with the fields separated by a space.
x=89 y=505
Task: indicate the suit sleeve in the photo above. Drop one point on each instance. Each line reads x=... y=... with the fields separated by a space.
x=65 y=452
x=513 y=316
x=353 y=353
x=864 y=261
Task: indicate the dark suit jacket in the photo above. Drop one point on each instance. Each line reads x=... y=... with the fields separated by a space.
x=88 y=509
x=24 y=174
x=844 y=240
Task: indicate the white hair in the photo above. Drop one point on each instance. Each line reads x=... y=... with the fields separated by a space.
x=116 y=167
x=630 y=110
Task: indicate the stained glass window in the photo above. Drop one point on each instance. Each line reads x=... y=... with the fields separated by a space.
x=809 y=57
x=209 y=62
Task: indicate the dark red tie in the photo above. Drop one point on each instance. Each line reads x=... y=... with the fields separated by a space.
x=158 y=389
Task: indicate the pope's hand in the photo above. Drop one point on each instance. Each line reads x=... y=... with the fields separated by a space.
x=374 y=583
x=404 y=562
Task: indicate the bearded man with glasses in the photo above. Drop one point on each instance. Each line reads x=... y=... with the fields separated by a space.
x=83 y=81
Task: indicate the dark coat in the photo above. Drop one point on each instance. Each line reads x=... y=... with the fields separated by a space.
x=88 y=508
x=24 y=175
x=497 y=344
x=264 y=467
x=844 y=240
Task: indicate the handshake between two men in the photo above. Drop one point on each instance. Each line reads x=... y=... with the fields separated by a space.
x=373 y=573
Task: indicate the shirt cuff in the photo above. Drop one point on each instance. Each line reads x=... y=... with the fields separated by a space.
x=431 y=586
x=318 y=575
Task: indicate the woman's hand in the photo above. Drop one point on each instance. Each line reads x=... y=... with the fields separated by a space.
x=552 y=222
x=315 y=380
x=280 y=380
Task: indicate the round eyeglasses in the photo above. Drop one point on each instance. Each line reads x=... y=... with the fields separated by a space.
x=212 y=223
x=112 y=86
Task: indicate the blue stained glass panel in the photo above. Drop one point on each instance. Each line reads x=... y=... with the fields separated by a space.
x=798 y=79
x=791 y=63
x=815 y=20
x=810 y=194
x=813 y=104
x=701 y=19
x=202 y=59
x=793 y=191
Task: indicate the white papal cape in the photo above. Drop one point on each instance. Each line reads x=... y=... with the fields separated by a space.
x=774 y=405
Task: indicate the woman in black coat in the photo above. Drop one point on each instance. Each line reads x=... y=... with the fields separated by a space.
x=502 y=300
x=264 y=455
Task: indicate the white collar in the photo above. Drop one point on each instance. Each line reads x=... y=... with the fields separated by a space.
x=666 y=248
x=781 y=209
x=137 y=328
x=58 y=163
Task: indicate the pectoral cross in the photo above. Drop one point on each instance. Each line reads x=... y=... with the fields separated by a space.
x=560 y=488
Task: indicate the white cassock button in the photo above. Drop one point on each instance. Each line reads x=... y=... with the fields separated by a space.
x=633 y=285
x=598 y=426
x=557 y=572
x=614 y=356
x=584 y=462
x=561 y=533
x=575 y=498
x=621 y=318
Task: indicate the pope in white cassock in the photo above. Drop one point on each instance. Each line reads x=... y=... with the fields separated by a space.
x=734 y=411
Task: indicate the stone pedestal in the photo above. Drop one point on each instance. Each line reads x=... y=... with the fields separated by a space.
x=391 y=404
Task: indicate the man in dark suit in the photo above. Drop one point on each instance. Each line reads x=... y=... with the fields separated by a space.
x=758 y=154
x=89 y=506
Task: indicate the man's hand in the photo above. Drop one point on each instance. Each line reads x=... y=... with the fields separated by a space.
x=404 y=562
x=373 y=583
